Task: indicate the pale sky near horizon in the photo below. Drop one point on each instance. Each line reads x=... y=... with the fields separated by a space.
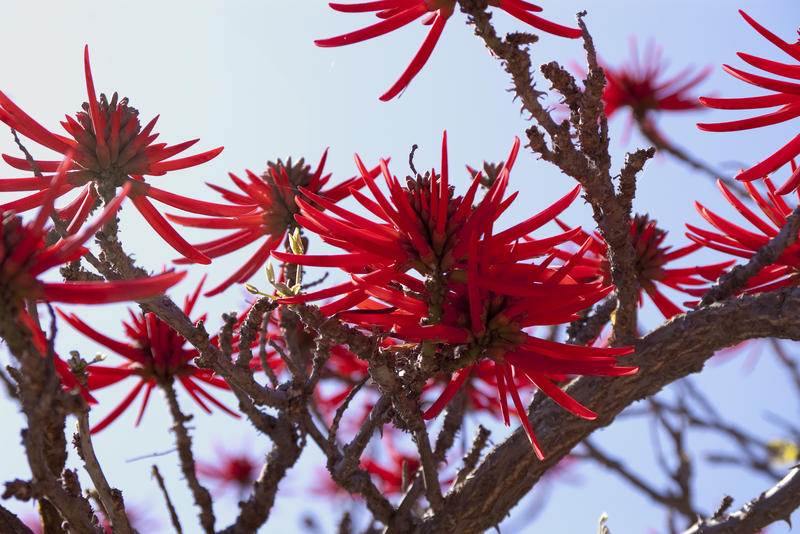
x=247 y=75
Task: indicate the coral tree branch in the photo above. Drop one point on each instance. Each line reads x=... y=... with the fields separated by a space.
x=676 y=349
x=777 y=503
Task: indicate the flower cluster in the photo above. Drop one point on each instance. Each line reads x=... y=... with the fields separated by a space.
x=268 y=204
x=230 y=470
x=397 y=13
x=642 y=86
x=478 y=296
x=25 y=254
x=156 y=355
x=743 y=243
x=110 y=149
x=651 y=257
x=783 y=93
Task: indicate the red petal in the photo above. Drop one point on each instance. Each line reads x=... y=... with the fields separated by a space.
x=419 y=59
x=383 y=27
x=167 y=232
x=105 y=292
x=448 y=393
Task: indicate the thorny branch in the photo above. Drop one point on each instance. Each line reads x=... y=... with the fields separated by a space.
x=579 y=147
x=775 y=504
x=588 y=162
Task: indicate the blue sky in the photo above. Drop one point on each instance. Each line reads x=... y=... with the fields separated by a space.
x=247 y=75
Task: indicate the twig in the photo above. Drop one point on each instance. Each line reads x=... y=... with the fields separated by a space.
x=453 y=419
x=256 y=509
x=583 y=331
x=11 y=524
x=262 y=351
x=202 y=498
x=648 y=130
x=788 y=363
x=429 y=466
x=666 y=498
x=471 y=459
x=11 y=387
x=775 y=504
x=110 y=498
x=589 y=164
x=259 y=313
x=337 y=417
x=173 y=515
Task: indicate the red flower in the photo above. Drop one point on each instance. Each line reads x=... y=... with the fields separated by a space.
x=744 y=243
x=229 y=469
x=269 y=203
x=783 y=93
x=651 y=258
x=477 y=295
x=398 y=13
x=424 y=227
x=156 y=354
x=641 y=85
x=24 y=255
x=120 y=155
x=487 y=317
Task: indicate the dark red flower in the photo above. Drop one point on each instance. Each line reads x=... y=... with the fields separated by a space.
x=744 y=243
x=24 y=255
x=651 y=257
x=642 y=86
x=156 y=355
x=269 y=201
x=782 y=93
x=397 y=13
x=235 y=470
x=120 y=155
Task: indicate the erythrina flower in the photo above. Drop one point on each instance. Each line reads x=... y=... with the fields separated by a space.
x=744 y=243
x=425 y=227
x=477 y=297
x=783 y=93
x=487 y=315
x=641 y=85
x=270 y=203
x=24 y=255
x=398 y=13
x=110 y=149
x=156 y=354
x=651 y=257
x=230 y=470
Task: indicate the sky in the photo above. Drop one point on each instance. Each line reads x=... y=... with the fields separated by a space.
x=247 y=76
